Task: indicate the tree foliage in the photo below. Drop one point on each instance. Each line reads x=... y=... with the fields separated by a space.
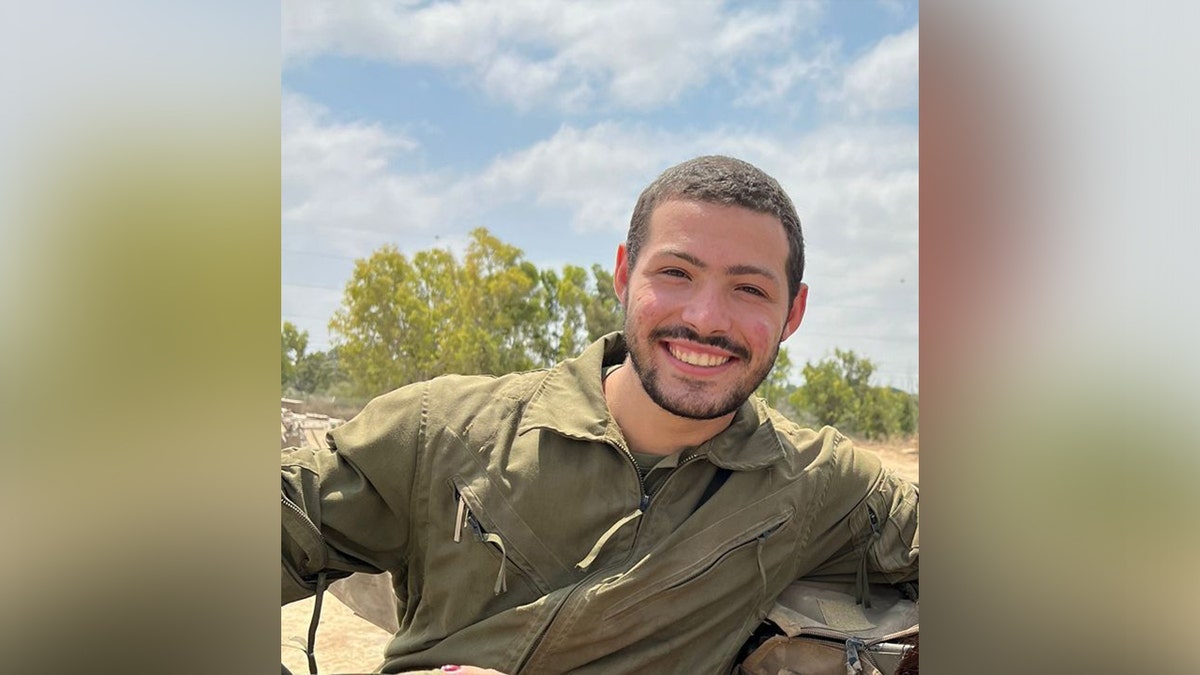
x=293 y=343
x=491 y=311
x=774 y=389
x=837 y=392
x=302 y=372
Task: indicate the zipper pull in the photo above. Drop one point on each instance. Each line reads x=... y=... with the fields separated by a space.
x=853 y=662
x=644 y=503
x=460 y=519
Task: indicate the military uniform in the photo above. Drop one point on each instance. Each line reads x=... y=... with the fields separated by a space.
x=521 y=535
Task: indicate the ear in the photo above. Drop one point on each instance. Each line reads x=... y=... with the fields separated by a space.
x=796 y=315
x=621 y=274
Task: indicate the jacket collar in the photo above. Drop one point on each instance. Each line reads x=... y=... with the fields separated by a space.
x=570 y=402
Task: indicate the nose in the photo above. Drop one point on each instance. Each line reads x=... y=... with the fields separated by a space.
x=706 y=311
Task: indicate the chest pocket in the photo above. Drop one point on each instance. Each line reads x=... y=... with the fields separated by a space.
x=733 y=564
x=484 y=517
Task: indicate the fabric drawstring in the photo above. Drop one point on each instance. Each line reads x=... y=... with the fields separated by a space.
x=501 y=581
x=862 y=586
x=312 y=625
x=762 y=571
x=591 y=556
x=862 y=582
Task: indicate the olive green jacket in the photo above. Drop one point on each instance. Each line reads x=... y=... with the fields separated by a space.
x=513 y=520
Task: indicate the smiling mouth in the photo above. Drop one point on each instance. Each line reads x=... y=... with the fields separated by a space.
x=697 y=358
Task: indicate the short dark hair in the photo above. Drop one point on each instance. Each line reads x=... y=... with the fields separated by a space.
x=717 y=179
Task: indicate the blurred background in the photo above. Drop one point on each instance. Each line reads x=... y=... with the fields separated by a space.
x=142 y=255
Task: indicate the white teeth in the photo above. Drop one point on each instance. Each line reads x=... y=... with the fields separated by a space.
x=696 y=359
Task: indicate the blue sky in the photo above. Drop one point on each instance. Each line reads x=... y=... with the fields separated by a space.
x=411 y=123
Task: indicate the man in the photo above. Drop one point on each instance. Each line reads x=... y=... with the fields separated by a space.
x=634 y=509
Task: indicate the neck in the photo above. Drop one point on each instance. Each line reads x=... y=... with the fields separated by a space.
x=647 y=427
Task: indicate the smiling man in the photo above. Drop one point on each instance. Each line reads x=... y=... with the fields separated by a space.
x=633 y=509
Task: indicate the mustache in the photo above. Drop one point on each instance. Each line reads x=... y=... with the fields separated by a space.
x=718 y=341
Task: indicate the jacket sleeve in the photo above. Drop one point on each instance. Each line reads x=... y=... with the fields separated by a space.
x=881 y=535
x=346 y=508
x=895 y=541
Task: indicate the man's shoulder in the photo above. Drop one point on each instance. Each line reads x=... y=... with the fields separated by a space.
x=452 y=392
x=454 y=403
x=808 y=450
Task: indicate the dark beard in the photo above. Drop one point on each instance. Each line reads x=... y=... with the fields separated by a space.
x=693 y=409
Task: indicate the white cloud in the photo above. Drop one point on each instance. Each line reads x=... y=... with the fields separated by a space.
x=340 y=176
x=779 y=82
x=855 y=187
x=634 y=54
x=895 y=7
x=885 y=78
x=316 y=150
x=591 y=172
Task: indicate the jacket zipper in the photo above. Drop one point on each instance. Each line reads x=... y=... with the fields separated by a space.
x=465 y=517
x=683 y=461
x=645 y=503
x=310 y=644
x=855 y=645
x=734 y=544
x=304 y=519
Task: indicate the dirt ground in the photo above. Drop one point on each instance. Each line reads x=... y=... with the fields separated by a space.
x=347 y=644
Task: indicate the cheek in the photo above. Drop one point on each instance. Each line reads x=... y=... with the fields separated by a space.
x=647 y=302
x=763 y=332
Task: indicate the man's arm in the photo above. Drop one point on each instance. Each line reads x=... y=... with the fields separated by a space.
x=895 y=552
x=883 y=545
x=345 y=508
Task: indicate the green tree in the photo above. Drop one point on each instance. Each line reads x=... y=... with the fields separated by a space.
x=878 y=412
x=827 y=393
x=293 y=343
x=317 y=373
x=403 y=320
x=602 y=313
x=561 y=303
x=379 y=322
x=774 y=389
x=837 y=392
x=497 y=293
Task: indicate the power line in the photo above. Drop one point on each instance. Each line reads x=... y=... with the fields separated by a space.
x=320 y=288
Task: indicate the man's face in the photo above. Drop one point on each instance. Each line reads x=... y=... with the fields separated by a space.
x=707 y=305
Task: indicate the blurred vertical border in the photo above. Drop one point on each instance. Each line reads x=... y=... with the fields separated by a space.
x=140 y=296
x=1058 y=145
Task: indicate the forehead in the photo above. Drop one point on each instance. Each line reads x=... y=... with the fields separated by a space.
x=717 y=233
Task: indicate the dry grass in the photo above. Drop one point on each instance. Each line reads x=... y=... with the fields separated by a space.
x=901 y=454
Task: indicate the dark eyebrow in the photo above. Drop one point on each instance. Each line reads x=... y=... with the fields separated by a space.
x=735 y=270
x=687 y=257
